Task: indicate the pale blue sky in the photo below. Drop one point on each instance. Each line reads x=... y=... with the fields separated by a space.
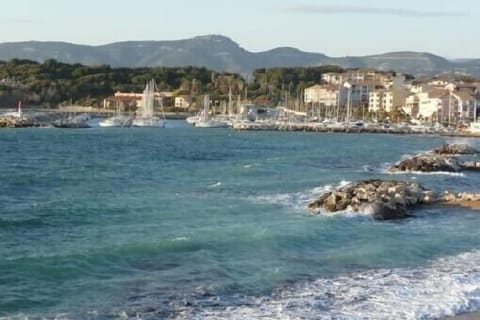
x=334 y=27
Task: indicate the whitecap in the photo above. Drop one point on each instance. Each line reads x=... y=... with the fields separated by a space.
x=181 y=239
x=434 y=173
x=251 y=165
x=447 y=287
x=297 y=200
x=217 y=184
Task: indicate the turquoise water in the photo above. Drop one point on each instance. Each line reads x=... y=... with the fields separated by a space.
x=186 y=223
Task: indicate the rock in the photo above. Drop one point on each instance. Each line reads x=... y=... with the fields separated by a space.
x=384 y=200
x=389 y=211
x=330 y=203
x=471 y=165
x=454 y=149
x=428 y=163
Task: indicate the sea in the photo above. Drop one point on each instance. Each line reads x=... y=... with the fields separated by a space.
x=188 y=223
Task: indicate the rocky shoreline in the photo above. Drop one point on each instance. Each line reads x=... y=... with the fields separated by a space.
x=391 y=199
x=443 y=159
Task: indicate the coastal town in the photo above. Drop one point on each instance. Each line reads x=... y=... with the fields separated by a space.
x=350 y=100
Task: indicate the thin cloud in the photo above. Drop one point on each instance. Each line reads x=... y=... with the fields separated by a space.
x=18 y=21
x=321 y=9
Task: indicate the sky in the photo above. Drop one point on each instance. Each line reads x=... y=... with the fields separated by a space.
x=333 y=27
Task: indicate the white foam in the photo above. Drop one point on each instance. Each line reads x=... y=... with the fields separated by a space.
x=298 y=200
x=447 y=287
x=434 y=173
x=217 y=184
x=181 y=239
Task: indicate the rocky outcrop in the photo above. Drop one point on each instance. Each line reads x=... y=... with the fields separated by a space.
x=15 y=122
x=471 y=165
x=455 y=149
x=428 y=163
x=384 y=200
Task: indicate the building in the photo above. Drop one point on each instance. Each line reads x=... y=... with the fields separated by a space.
x=457 y=106
x=359 y=93
x=183 y=101
x=424 y=105
x=132 y=99
x=380 y=100
x=326 y=95
x=357 y=76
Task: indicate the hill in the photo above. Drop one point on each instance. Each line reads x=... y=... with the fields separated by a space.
x=220 y=53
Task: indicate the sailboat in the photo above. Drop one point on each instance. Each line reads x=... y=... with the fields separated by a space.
x=146 y=118
x=205 y=121
x=72 y=122
x=118 y=120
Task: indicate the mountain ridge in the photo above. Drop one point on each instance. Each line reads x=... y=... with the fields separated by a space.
x=221 y=53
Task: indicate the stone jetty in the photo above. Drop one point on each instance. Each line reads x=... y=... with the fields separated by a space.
x=16 y=122
x=383 y=199
x=36 y=119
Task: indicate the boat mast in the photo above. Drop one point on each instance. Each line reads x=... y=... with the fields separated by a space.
x=475 y=109
x=230 y=111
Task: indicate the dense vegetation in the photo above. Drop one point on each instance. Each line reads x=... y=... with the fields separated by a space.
x=53 y=83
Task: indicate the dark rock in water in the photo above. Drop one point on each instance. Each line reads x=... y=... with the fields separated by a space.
x=428 y=163
x=453 y=149
x=388 y=211
x=384 y=200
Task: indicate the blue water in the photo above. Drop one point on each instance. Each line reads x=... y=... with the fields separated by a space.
x=188 y=223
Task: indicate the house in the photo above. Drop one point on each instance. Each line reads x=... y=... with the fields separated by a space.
x=123 y=99
x=333 y=78
x=183 y=101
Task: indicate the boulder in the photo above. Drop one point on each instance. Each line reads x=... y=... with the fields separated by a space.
x=384 y=200
x=428 y=163
x=454 y=149
x=471 y=165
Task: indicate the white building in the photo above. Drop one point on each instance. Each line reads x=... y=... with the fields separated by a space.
x=326 y=95
x=380 y=100
x=422 y=105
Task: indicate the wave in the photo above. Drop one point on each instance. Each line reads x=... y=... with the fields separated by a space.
x=298 y=200
x=447 y=287
x=216 y=184
x=435 y=173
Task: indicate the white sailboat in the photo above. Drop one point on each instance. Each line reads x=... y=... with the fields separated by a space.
x=193 y=119
x=146 y=118
x=205 y=121
x=118 y=120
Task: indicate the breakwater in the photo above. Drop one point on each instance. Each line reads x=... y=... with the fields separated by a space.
x=319 y=127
